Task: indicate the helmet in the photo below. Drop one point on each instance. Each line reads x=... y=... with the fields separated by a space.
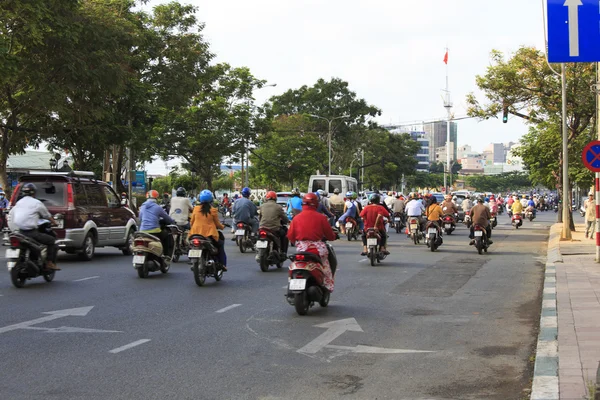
x=123 y=194
x=523 y=196
x=295 y=192
x=205 y=196
x=336 y=191
x=180 y=192
x=236 y=196
x=354 y=195
x=29 y=189
x=468 y=196
x=349 y=195
x=152 y=194
x=480 y=199
x=246 y=192
x=433 y=200
x=271 y=195
x=374 y=199
x=390 y=193
x=455 y=198
x=318 y=195
x=321 y=193
x=492 y=197
x=225 y=195
x=487 y=199
x=310 y=199
x=411 y=195
x=376 y=191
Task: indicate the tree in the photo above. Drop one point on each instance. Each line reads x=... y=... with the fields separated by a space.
x=507 y=182
x=436 y=167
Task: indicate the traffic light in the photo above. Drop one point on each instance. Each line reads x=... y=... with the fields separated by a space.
x=505 y=114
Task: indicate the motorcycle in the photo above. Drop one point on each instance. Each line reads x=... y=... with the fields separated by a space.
x=433 y=239
x=148 y=253
x=268 y=247
x=500 y=209
x=449 y=223
x=493 y=220
x=529 y=215
x=306 y=279
x=517 y=220
x=181 y=243
x=374 y=247
x=26 y=258
x=481 y=240
x=204 y=257
x=243 y=237
x=352 y=230
x=415 y=233
x=398 y=222
x=467 y=219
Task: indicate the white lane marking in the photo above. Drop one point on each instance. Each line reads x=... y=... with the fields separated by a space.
x=129 y=346
x=365 y=260
x=85 y=279
x=222 y=310
x=284 y=287
x=79 y=312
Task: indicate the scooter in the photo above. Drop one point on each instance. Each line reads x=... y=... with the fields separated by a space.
x=433 y=239
x=26 y=258
x=351 y=229
x=268 y=247
x=374 y=246
x=243 y=237
x=148 y=253
x=306 y=279
x=182 y=244
x=398 y=222
x=415 y=233
x=467 y=219
x=481 y=241
x=449 y=224
x=529 y=215
x=517 y=220
x=204 y=257
x=494 y=220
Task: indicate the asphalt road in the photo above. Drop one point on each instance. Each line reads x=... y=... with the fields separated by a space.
x=466 y=322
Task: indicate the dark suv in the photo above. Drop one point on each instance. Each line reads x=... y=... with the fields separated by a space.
x=93 y=214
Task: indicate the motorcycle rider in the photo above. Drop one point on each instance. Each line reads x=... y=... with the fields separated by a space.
x=244 y=210
x=466 y=204
x=323 y=209
x=166 y=201
x=294 y=204
x=531 y=206
x=3 y=208
x=350 y=210
x=25 y=216
x=308 y=229
x=415 y=209
x=225 y=202
x=493 y=205
x=434 y=211
x=274 y=219
x=124 y=199
x=372 y=216
x=181 y=209
x=480 y=215
x=205 y=222
x=323 y=199
x=336 y=203
x=517 y=207
x=150 y=215
x=398 y=207
x=389 y=200
x=448 y=206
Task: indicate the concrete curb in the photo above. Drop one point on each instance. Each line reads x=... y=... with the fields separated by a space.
x=545 y=373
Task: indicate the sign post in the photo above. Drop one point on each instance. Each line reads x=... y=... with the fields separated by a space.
x=573 y=36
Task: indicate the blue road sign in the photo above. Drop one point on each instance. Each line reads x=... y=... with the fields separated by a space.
x=591 y=156
x=573 y=31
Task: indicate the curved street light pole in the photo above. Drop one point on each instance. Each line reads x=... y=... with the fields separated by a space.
x=330 y=121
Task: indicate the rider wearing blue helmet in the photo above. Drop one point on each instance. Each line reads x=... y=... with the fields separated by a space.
x=244 y=210
x=205 y=222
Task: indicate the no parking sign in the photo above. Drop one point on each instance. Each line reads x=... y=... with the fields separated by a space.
x=591 y=156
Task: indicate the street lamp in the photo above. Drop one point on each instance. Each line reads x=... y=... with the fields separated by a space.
x=330 y=121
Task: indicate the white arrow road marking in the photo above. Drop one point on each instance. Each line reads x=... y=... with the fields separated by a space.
x=75 y=312
x=334 y=329
x=376 y=350
x=222 y=310
x=129 y=346
x=72 y=329
x=573 y=26
x=86 y=279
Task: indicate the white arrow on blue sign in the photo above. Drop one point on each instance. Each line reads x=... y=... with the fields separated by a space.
x=573 y=31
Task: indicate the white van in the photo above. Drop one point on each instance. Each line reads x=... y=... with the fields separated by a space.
x=331 y=182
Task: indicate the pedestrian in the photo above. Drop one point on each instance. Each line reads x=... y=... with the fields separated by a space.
x=590 y=216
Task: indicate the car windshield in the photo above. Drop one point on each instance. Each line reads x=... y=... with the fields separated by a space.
x=52 y=194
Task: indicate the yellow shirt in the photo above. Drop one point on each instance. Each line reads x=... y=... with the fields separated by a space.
x=517 y=207
x=434 y=212
x=205 y=225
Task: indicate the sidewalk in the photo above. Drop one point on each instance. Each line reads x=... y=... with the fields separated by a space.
x=570 y=303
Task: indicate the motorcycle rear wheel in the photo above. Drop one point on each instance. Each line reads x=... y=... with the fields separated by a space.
x=198 y=269
x=325 y=299
x=219 y=274
x=241 y=243
x=479 y=245
x=432 y=240
x=301 y=303
x=165 y=268
x=16 y=279
x=264 y=263
x=415 y=238
x=372 y=256
x=49 y=277
x=143 y=271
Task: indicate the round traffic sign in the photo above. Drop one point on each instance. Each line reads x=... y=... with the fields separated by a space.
x=591 y=156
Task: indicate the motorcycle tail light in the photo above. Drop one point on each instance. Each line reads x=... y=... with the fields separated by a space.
x=299 y=257
x=413 y=221
x=139 y=242
x=262 y=234
x=196 y=242
x=14 y=242
x=478 y=228
x=240 y=225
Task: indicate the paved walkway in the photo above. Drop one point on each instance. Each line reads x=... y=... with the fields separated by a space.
x=578 y=309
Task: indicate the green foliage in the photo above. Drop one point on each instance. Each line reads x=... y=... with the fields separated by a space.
x=507 y=182
x=425 y=180
x=436 y=167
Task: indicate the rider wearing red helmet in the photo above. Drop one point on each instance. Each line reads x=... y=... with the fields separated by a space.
x=308 y=229
x=273 y=218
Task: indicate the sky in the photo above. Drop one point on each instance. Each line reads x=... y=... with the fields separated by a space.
x=389 y=51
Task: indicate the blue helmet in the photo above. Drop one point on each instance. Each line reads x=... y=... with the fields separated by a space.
x=318 y=195
x=349 y=195
x=205 y=196
x=487 y=199
x=246 y=192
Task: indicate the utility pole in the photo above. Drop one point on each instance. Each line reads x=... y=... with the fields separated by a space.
x=566 y=202
x=597 y=175
x=448 y=107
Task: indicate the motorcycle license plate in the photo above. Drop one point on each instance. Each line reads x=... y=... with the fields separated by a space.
x=12 y=253
x=478 y=233
x=139 y=259
x=10 y=265
x=413 y=226
x=60 y=223
x=371 y=242
x=348 y=225
x=240 y=232
x=432 y=230
x=262 y=244
x=447 y=226
x=195 y=254
x=397 y=219
x=297 y=284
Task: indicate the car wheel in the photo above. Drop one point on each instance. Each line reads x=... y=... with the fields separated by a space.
x=89 y=247
x=128 y=250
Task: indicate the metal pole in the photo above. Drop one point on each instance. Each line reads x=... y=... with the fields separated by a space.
x=597 y=180
x=448 y=106
x=329 y=144
x=566 y=202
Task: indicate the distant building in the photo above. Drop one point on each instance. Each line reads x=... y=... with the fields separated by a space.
x=423 y=155
x=437 y=134
x=18 y=165
x=462 y=151
x=442 y=156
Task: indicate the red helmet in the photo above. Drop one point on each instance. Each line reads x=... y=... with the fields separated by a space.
x=310 y=199
x=271 y=195
x=152 y=194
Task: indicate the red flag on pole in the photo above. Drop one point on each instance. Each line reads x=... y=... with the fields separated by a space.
x=446 y=57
